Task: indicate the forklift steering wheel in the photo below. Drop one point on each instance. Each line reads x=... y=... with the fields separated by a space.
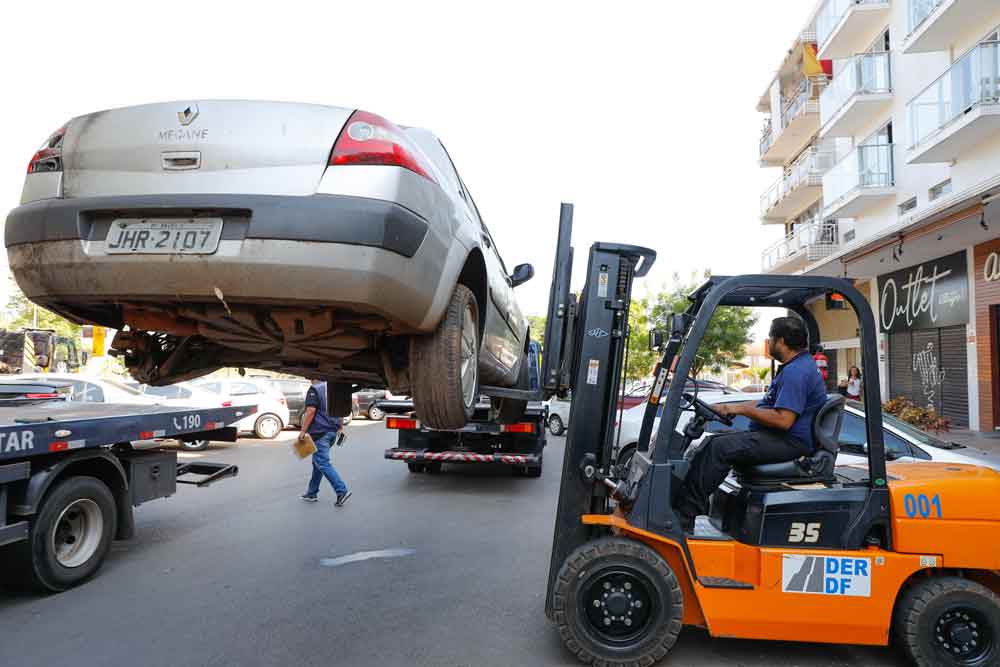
x=705 y=410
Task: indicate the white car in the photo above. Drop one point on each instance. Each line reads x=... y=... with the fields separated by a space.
x=902 y=441
x=314 y=240
x=84 y=389
x=558 y=415
x=272 y=407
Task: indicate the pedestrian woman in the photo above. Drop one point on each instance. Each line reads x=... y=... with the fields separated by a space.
x=854 y=384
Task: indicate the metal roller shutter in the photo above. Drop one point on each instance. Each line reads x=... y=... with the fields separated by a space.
x=954 y=392
x=900 y=366
x=925 y=366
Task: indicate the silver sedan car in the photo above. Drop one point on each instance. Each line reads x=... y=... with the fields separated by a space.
x=314 y=240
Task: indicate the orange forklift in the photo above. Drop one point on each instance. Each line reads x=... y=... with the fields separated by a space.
x=801 y=551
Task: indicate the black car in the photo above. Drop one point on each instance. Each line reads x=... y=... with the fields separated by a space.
x=17 y=391
x=295 y=396
x=366 y=403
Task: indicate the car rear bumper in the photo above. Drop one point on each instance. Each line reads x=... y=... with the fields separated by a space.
x=320 y=218
x=363 y=255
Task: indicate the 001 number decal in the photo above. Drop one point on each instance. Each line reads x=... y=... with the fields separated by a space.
x=921 y=506
x=804 y=532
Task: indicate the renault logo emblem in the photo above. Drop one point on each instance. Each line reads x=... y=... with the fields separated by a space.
x=187 y=116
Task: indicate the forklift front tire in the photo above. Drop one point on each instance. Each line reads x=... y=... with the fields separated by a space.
x=949 y=621
x=617 y=602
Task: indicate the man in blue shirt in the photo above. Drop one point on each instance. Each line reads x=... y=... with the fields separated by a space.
x=780 y=423
x=323 y=428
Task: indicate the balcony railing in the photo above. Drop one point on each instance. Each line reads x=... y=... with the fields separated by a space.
x=919 y=10
x=808 y=90
x=810 y=166
x=766 y=139
x=866 y=73
x=864 y=167
x=810 y=241
x=830 y=15
x=973 y=80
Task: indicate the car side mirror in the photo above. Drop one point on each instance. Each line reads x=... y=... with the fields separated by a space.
x=522 y=274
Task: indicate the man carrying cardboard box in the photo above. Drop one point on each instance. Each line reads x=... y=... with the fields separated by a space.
x=323 y=429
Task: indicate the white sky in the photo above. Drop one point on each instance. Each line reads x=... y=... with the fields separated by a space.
x=640 y=113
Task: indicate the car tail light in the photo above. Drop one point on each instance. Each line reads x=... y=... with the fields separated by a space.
x=523 y=427
x=227 y=404
x=371 y=139
x=49 y=156
x=401 y=423
x=50 y=395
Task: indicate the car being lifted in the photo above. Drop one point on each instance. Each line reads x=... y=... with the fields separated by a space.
x=313 y=240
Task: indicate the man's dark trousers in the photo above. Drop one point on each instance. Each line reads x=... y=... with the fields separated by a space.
x=723 y=452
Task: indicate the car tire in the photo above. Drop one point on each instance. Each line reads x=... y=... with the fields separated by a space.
x=70 y=536
x=626 y=454
x=444 y=365
x=556 y=426
x=194 y=445
x=511 y=410
x=375 y=413
x=937 y=613
x=631 y=573
x=268 y=426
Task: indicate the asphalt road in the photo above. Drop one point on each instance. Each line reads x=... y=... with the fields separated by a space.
x=243 y=573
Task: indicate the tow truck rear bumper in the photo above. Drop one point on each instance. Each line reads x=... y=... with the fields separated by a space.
x=422 y=455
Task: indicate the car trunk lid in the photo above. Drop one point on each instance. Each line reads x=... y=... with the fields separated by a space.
x=205 y=146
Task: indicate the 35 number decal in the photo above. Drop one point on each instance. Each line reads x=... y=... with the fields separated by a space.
x=922 y=506
x=804 y=532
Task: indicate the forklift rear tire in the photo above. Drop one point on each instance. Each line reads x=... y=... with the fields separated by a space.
x=70 y=537
x=617 y=602
x=444 y=365
x=949 y=621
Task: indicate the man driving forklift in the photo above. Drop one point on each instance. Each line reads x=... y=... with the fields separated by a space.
x=780 y=423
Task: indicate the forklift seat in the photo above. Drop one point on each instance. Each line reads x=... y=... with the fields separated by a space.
x=815 y=468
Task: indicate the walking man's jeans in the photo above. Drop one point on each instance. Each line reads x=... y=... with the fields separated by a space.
x=721 y=453
x=323 y=468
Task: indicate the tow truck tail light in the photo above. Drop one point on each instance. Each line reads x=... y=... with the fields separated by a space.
x=48 y=158
x=371 y=139
x=522 y=427
x=402 y=423
x=227 y=404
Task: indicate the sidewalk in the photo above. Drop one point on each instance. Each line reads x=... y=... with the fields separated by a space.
x=989 y=442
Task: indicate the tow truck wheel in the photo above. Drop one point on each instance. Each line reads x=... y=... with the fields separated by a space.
x=71 y=534
x=617 y=602
x=949 y=621
x=444 y=365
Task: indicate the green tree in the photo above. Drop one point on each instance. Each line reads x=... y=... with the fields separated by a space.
x=23 y=316
x=727 y=334
x=536 y=324
x=640 y=358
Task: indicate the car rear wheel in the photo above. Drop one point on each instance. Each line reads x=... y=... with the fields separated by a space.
x=444 y=365
x=194 y=445
x=375 y=413
x=267 y=426
x=556 y=426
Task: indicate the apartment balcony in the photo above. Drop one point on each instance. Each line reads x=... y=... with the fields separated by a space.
x=959 y=110
x=933 y=24
x=808 y=243
x=798 y=124
x=859 y=93
x=800 y=186
x=859 y=181
x=846 y=27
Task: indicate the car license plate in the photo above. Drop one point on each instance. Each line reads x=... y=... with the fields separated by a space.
x=164 y=236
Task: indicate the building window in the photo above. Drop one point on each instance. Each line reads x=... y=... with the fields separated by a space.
x=848 y=236
x=908 y=206
x=940 y=190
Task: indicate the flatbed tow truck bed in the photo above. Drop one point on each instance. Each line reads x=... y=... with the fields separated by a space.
x=70 y=478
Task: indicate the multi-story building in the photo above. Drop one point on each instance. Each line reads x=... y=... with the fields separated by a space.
x=892 y=184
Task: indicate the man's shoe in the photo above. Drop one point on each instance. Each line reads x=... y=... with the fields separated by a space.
x=343 y=498
x=309 y=499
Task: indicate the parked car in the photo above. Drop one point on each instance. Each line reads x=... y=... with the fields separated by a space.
x=368 y=403
x=558 y=415
x=85 y=389
x=902 y=441
x=182 y=394
x=16 y=390
x=309 y=239
x=295 y=397
x=272 y=407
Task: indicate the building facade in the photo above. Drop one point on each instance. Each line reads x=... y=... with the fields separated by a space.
x=904 y=170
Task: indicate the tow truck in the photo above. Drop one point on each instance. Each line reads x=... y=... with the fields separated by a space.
x=796 y=551
x=70 y=478
x=484 y=439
